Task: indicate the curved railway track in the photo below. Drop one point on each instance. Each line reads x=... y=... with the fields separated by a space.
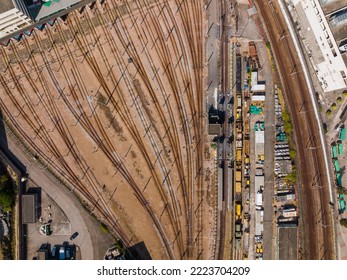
x=310 y=160
x=177 y=54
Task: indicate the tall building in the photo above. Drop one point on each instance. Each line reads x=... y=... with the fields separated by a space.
x=41 y=9
x=11 y=18
x=19 y=14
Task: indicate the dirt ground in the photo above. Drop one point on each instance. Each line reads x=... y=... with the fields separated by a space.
x=112 y=101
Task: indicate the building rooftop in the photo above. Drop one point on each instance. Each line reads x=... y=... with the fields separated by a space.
x=28 y=209
x=6 y=5
x=259 y=226
x=258 y=87
x=11 y=21
x=328 y=63
x=52 y=6
x=259 y=181
x=339 y=18
x=288 y=243
x=40 y=9
x=259 y=137
x=214 y=129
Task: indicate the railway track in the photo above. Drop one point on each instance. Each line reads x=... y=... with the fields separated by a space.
x=52 y=110
x=224 y=50
x=118 y=55
x=109 y=146
x=310 y=160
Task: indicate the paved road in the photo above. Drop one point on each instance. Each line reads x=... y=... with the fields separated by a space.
x=74 y=212
x=269 y=114
x=212 y=49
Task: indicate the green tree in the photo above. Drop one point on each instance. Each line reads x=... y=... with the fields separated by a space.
x=292 y=154
x=7 y=193
x=288 y=126
x=343 y=222
x=291 y=178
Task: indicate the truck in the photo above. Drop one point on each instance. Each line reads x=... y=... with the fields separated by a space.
x=238 y=231
x=248 y=182
x=239 y=127
x=238 y=210
x=238 y=114
x=62 y=253
x=259 y=249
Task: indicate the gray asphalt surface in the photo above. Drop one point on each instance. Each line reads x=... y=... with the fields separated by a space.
x=74 y=212
x=212 y=49
x=269 y=114
x=288 y=244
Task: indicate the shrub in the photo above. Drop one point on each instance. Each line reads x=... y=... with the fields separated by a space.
x=104 y=229
x=292 y=154
x=333 y=106
x=328 y=112
x=343 y=222
x=291 y=178
x=339 y=100
x=7 y=193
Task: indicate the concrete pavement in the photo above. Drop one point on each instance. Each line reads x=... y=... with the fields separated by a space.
x=90 y=236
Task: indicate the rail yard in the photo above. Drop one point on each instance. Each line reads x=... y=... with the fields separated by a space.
x=189 y=127
x=319 y=238
x=111 y=99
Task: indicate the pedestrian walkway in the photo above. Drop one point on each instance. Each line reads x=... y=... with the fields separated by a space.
x=341 y=235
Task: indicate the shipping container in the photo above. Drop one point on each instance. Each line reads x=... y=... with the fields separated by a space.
x=340 y=148
x=238 y=176
x=343 y=134
x=247 y=127
x=238 y=187
x=259 y=199
x=239 y=101
x=247 y=147
x=290 y=214
x=239 y=155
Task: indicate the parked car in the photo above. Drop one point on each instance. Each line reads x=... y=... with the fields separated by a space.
x=54 y=251
x=74 y=236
